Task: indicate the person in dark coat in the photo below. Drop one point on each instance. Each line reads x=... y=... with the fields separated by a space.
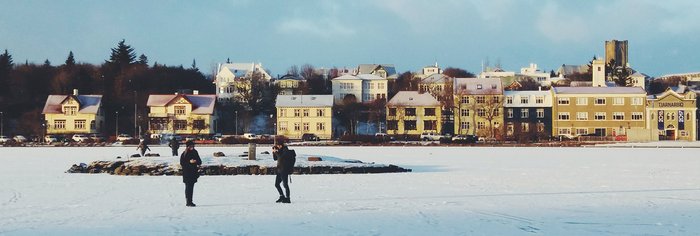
x=280 y=153
x=190 y=162
x=143 y=147
x=174 y=146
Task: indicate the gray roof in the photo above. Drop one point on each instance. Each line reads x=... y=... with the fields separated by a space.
x=359 y=77
x=599 y=90
x=89 y=104
x=369 y=68
x=434 y=78
x=201 y=104
x=304 y=101
x=479 y=86
x=571 y=69
x=413 y=98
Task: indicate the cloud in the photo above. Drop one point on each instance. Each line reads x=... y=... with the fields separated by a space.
x=559 y=26
x=325 y=28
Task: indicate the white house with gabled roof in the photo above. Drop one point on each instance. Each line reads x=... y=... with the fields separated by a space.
x=364 y=87
x=229 y=79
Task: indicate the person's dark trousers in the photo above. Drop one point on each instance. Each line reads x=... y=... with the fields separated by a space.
x=189 y=190
x=175 y=152
x=284 y=179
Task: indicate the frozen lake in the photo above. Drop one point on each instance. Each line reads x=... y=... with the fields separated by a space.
x=451 y=191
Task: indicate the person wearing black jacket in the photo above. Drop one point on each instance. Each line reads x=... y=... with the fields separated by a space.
x=174 y=145
x=280 y=153
x=190 y=162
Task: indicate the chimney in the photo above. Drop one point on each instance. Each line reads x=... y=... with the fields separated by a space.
x=75 y=92
x=540 y=88
x=195 y=92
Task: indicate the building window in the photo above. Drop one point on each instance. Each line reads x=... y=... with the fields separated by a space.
x=563 y=116
x=297 y=126
x=198 y=125
x=92 y=124
x=540 y=113
x=465 y=112
x=524 y=100
x=618 y=101
x=320 y=112
x=479 y=86
x=563 y=101
x=525 y=127
x=600 y=101
x=493 y=86
x=430 y=125
x=539 y=99
x=79 y=124
x=410 y=125
x=180 y=110
x=599 y=116
x=180 y=124
x=283 y=125
x=465 y=100
x=410 y=111
x=637 y=101
x=297 y=112
x=494 y=99
x=637 y=115
x=70 y=110
x=564 y=131
x=581 y=101
x=464 y=125
x=320 y=126
x=540 y=127
x=480 y=125
x=392 y=125
x=283 y=112
x=392 y=111
x=509 y=113
x=509 y=128
x=480 y=99
x=59 y=124
x=509 y=100
x=306 y=126
x=618 y=115
x=306 y=112
x=581 y=131
x=600 y=132
x=524 y=113
x=430 y=111
x=581 y=115
x=481 y=112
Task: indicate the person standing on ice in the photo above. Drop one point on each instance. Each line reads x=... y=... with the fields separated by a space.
x=143 y=147
x=174 y=145
x=285 y=163
x=190 y=162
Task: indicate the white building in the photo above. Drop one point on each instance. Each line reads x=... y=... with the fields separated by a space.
x=364 y=87
x=229 y=75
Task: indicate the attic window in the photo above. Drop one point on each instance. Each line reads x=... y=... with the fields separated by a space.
x=478 y=86
x=410 y=99
x=493 y=86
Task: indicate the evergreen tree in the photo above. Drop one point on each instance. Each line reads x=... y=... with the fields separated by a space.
x=70 y=61
x=47 y=63
x=194 y=65
x=123 y=55
x=143 y=59
x=5 y=62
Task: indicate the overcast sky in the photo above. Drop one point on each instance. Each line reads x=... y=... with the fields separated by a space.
x=664 y=36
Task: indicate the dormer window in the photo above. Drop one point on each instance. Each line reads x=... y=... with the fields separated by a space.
x=180 y=110
x=493 y=86
x=478 y=86
x=70 y=110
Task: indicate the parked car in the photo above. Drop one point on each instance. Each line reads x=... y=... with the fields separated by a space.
x=383 y=137
x=430 y=136
x=190 y=138
x=250 y=136
x=97 y=138
x=465 y=138
x=310 y=137
x=19 y=138
x=4 y=139
x=124 y=137
x=50 y=138
x=81 y=138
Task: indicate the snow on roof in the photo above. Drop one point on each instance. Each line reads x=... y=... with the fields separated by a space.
x=359 y=77
x=599 y=90
x=304 y=101
x=413 y=98
x=201 y=104
x=89 y=104
x=484 y=86
x=347 y=77
x=369 y=68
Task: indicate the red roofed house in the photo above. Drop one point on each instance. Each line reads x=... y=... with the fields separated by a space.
x=73 y=114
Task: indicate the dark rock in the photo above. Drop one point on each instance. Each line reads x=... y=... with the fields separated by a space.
x=265 y=152
x=314 y=159
x=136 y=155
x=219 y=154
x=152 y=154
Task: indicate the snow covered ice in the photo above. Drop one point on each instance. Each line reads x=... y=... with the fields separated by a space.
x=451 y=191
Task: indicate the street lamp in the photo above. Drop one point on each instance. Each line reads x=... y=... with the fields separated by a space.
x=136 y=96
x=2 y=124
x=236 y=122
x=116 y=129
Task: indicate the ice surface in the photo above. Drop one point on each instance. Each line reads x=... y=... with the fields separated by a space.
x=451 y=191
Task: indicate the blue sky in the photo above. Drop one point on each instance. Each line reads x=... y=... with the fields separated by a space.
x=663 y=35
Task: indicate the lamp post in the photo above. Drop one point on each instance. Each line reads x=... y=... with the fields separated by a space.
x=136 y=132
x=2 y=123
x=236 y=122
x=116 y=129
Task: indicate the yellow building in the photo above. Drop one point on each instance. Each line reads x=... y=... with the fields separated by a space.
x=304 y=114
x=478 y=107
x=599 y=111
x=289 y=84
x=413 y=113
x=671 y=116
x=73 y=114
x=182 y=114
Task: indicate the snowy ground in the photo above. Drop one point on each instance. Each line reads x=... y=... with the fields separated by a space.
x=452 y=191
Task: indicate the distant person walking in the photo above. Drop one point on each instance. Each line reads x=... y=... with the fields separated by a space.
x=190 y=162
x=143 y=147
x=285 y=164
x=174 y=145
